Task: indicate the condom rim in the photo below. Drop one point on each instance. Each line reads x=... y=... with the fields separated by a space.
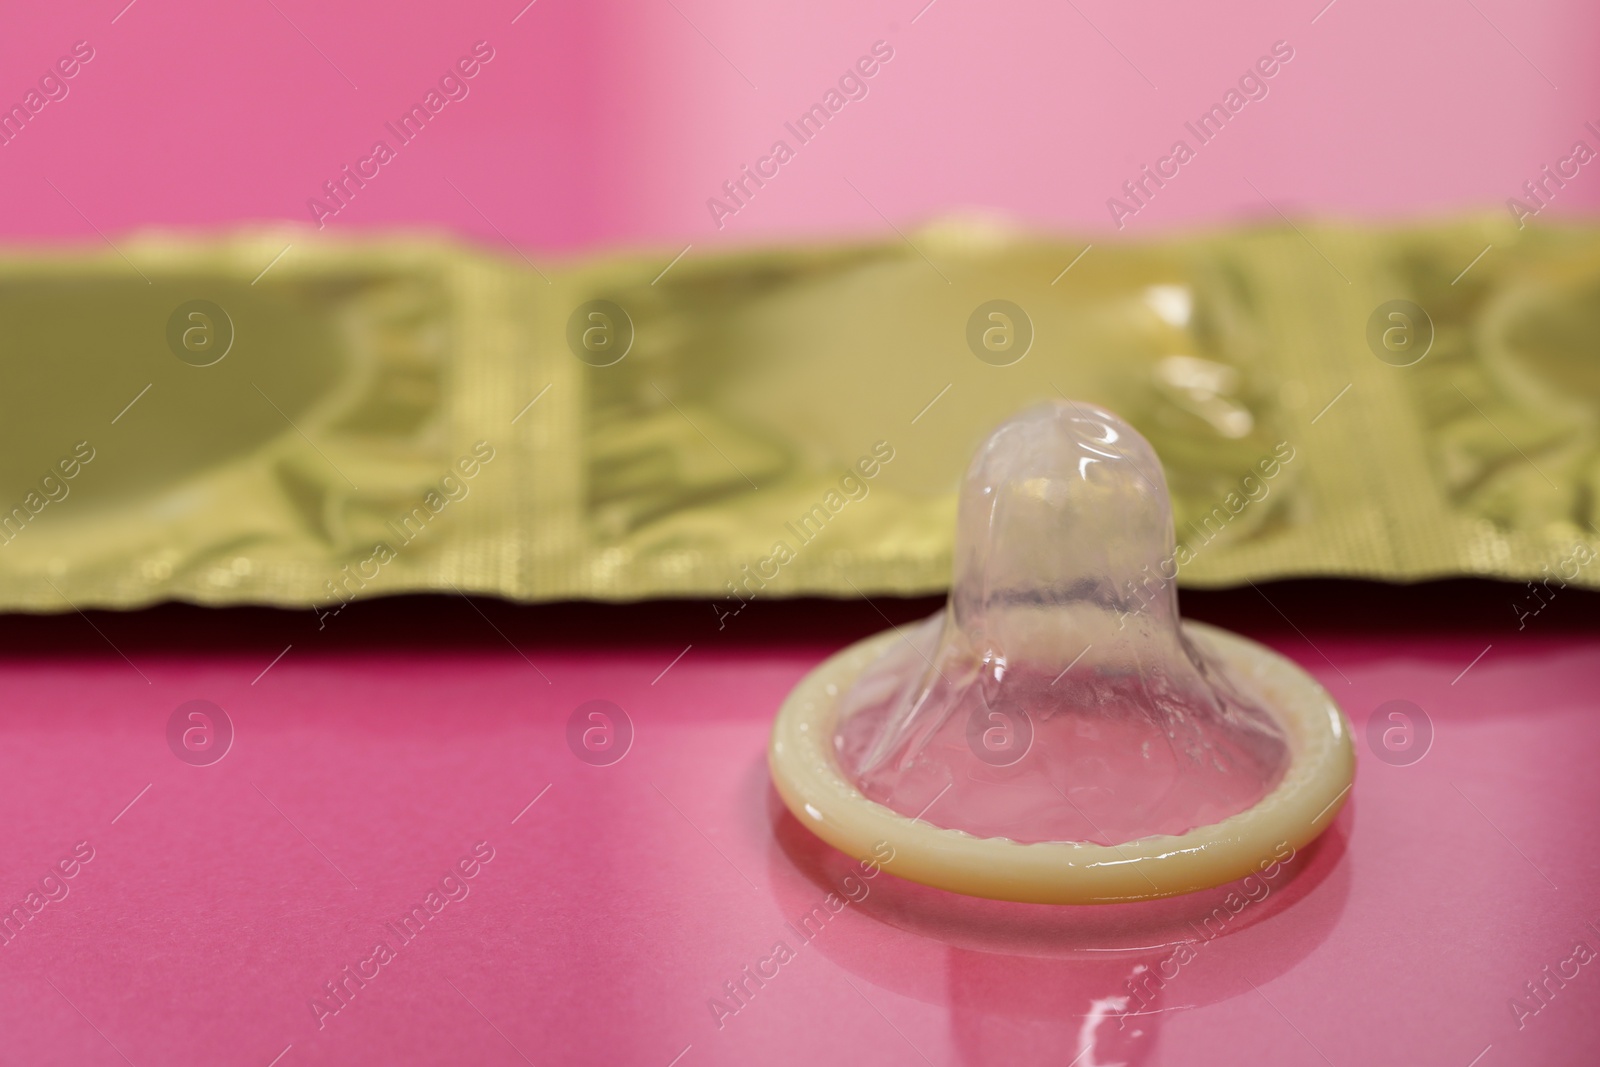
x=1303 y=804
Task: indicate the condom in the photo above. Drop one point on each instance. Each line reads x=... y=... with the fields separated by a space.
x=1058 y=734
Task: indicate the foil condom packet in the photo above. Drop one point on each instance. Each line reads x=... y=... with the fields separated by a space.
x=1060 y=702
x=279 y=416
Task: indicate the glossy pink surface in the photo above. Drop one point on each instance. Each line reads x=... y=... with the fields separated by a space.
x=220 y=899
x=374 y=754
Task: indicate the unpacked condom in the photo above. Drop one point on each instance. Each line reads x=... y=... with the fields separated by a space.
x=1056 y=698
x=1058 y=733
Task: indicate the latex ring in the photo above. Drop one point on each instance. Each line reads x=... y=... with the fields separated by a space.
x=1304 y=803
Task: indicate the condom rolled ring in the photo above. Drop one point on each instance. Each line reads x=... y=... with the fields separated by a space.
x=1304 y=803
x=1314 y=732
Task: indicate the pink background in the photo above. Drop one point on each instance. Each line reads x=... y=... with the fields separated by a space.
x=612 y=122
x=619 y=903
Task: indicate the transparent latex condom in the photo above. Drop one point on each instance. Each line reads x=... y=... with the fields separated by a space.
x=1056 y=698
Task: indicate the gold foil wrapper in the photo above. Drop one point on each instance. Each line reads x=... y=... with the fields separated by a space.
x=221 y=420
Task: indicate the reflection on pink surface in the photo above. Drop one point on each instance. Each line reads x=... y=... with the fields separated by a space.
x=623 y=900
x=1026 y=983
